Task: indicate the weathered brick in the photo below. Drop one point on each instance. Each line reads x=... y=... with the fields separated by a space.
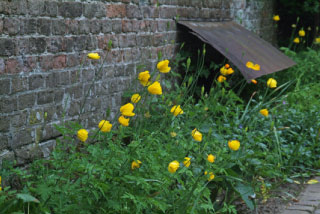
x=16 y=7
x=13 y=65
x=127 y=40
x=116 y=10
x=3 y=141
x=80 y=43
x=59 y=27
x=50 y=8
x=106 y=26
x=84 y=27
x=37 y=45
x=27 y=154
x=75 y=91
x=72 y=26
x=5 y=86
x=8 y=47
x=36 y=81
x=4 y=124
x=144 y=40
x=47 y=147
x=28 y=26
x=75 y=76
x=70 y=9
x=11 y=26
x=168 y=12
x=116 y=26
x=6 y=155
x=1 y=25
x=133 y=11
x=8 y=104
x=35 y=7
x=19 y=120
x=126 y=26
x=59 y=62
x=95 y=26
x=19 y=83
x=44 y=26
x=73 y=60
x=26 y=101
x=45 y=97
x=94 y=10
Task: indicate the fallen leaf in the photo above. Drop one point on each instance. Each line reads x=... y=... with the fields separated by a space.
x=312 y=181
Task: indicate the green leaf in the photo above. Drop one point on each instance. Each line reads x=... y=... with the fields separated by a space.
x=27 y=198
x=245 y=192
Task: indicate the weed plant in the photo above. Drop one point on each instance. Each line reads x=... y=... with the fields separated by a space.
x=167 y=152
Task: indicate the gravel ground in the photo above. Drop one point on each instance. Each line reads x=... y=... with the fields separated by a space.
x=280 y=197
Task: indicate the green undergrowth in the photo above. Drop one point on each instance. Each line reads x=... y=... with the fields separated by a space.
x=99 y=174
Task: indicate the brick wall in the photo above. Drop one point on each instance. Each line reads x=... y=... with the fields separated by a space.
x=43 y=42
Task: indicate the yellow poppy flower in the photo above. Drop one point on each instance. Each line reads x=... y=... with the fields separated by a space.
x=224 y=71
x=135 y=98
x=82 y=135
x=253 y=66
x=163 y=66
x=144 y=78
x=254 y=82
x=176 y=110
x=126 y=110
x=317 y=40
x=124 y=121
x=173 y=166
x=221 y=78
x=105 y=126
x=197 y=136
x=227 y=66
x=211 y=175
x=155 y=88
x=211 y=158
x=234 y=145
x=230 y=71
x=187 y=161
x=296 y=40
x=276 y=18
x=272 y=83
x=135 y=164
x=173 y=134
x=93 y=56
x=302 y=33
x=264 y=112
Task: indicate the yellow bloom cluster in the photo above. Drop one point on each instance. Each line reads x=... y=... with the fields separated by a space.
x=225 y=71
x=144 y=78
x=211 y=158
x=155 y=88
x=211 y=175
x=187 y=161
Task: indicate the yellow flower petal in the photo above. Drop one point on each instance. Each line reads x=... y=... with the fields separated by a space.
x=296 y=40
x=173 y=166
x=272 y=83
x=234 y=145
x=176 y=110
x=135 y=164
x=124 y=121
x=302 y=33
x=187 y=161
x=82 y=135
x=163 y=66
x=197 y=136
x=127 y=110
x=155 y=88
x=211 y=158
x=264 y=112
x=105 y=126
x=93 y=56
x=221 y=78
x=276 y=18
x=144 y=78
x=135 y=98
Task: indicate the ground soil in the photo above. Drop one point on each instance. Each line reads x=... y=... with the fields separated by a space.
x=280 y=197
